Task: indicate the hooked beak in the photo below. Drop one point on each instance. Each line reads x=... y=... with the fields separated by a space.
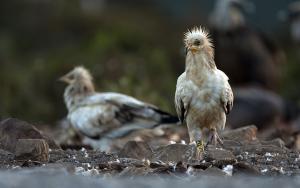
x=193 y=49
x=64 y=79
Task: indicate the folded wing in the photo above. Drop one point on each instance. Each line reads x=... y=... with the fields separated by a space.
x=114 y=115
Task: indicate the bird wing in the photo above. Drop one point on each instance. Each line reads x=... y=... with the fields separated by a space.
x=94 y=119
x=129 y=105
x=182 y=97
x=227 y=94
x=115 y=114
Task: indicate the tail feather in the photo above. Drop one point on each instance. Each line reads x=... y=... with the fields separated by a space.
x=166 y=117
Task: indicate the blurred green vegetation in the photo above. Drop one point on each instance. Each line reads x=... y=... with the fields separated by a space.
x=126 y=50
x=290 y=85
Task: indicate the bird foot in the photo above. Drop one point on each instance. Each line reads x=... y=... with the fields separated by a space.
x=200 y=149
x=200 y=145
x=214 y=138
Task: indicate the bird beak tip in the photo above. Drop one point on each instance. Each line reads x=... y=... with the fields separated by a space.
x=62 y=79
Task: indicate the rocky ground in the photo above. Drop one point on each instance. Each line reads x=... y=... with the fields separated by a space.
x=26 y=152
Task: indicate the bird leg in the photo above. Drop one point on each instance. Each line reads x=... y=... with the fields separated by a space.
x=199 y=145
x=214 y=138
x=195 y=134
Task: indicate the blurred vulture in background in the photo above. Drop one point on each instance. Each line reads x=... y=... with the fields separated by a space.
x=245 y=55
x=260 y=107
x=253 y=64
x=292 y=14
x=273 y=116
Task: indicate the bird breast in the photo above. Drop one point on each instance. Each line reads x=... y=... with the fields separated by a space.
x=206 y=97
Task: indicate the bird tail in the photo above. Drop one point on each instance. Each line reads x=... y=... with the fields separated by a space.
x=166 y=118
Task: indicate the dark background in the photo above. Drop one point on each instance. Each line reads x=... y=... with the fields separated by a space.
x=134 y=47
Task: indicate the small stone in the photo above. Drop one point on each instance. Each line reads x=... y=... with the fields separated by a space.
x=6 y=155
x=131 y=162
x=136 y=150
x=32 y=149
x=12 y=129
x=157 y=164
x=213 y=171
x=218 y=154
x=174 y=153
x=92 y=172
x=194 y=171
x=276 y=142
x=244 y=168
x=134 y=171
x=180 y=167
x=297 y=142
x=228 y=170
x=244 y=134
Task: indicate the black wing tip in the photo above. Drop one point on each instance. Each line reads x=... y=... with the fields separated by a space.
x=170 y=119
x=167 y=117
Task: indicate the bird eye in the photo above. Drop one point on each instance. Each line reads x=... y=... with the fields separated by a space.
x=197 y=42
x=71 y=77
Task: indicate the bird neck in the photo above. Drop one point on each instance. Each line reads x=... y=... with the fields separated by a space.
x=76 y=92
x=199 y=66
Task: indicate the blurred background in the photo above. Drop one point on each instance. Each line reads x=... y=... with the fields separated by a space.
x=133 y=47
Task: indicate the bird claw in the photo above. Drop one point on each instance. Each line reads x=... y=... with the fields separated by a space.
x=214 y=139
x=200 y=145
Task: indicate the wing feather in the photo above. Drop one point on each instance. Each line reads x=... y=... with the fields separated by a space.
x=227 y=98
x=182 y=98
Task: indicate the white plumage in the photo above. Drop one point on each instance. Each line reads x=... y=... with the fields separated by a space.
x=203 y=95
x=107 y=115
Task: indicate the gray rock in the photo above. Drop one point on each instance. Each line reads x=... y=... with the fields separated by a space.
x=132 y=162
x=6 y=155
x=218 y=154
x=276 y=142
x=211 y=171
x=244 y=168
x=134 y=171
x=214 y=171
x=13 y=129
x=136 y=150
x=32 y=149
x=174 y=153
x=243 y=134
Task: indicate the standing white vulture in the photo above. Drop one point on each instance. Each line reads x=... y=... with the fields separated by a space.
x=203 y=95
